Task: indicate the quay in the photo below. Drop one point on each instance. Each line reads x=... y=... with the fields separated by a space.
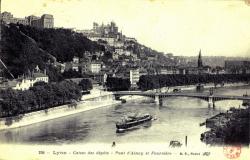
x=92 y=101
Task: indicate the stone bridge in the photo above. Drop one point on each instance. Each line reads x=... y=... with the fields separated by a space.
x=158 y=96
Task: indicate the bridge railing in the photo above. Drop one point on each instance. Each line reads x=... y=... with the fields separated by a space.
x=182 y=94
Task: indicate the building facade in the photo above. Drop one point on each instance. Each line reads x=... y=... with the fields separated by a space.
x=8 y=18
x=134 y=76
x=25 y=82
x=45 y=21
x=95 y=67
x=237 y=67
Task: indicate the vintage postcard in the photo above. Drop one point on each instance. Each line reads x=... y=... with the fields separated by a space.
x=124 y=79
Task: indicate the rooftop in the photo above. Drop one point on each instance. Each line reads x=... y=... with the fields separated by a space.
x=39 y=75
x=47 y=16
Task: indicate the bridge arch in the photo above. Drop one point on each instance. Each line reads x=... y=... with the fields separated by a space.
x=195 y=97
x=117 y=97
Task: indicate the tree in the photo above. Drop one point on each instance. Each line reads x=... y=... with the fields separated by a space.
x=118 y=84
x=147 y=82
x=38 y=97
x=85 y=84
x=71 y=74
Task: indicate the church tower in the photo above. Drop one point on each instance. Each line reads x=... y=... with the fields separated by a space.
x=200 y=60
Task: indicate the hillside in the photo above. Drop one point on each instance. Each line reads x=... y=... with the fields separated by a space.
x=64 y=44
x=19 y=52
x=24 y=47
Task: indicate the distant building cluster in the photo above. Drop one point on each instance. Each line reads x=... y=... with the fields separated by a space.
x=87 y=64
x=118 y=45
x=237 y=67
x=107 y=34
x=45 y=21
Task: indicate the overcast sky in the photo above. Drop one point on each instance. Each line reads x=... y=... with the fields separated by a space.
x=181 y=27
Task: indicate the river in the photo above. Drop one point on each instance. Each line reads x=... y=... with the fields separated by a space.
x=176 y=118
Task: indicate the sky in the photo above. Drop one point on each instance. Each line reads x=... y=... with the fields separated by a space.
x=181 y=27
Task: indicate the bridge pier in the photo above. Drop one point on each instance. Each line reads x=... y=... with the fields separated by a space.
x=158 y=100
x=211 y=102
x=116 y=97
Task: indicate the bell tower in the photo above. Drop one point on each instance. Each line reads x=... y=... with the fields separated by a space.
x=200 y=60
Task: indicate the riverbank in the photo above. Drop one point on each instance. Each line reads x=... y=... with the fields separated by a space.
x=90 y=102
x=231 y=127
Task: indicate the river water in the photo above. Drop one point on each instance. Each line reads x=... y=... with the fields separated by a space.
x=176 y=118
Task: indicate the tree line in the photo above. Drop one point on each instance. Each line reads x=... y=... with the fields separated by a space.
x=117 y=84
x=147 y=82
x=39 y=97
x=62 y=43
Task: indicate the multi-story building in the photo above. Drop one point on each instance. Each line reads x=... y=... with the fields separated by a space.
x=45 y=21
x=25 y=82
x=110 y=40
x=236 y=64
x=134 y=76
x=110 y=30
x=39 y=76
x=8 y=18
x=61 y=66
x=106 y=34
x=83 y=66
x=75 y=67
x=119 y=51
x=151 y=57
x=95 y=67
x=115 y=56
x=169 y=70
x=134 y=57
x=237 y=67
x=31 y=19
x=192 y=70
x=75 y=59
x=130 y=39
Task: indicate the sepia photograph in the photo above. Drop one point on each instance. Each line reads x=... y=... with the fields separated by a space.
x=124 y=79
